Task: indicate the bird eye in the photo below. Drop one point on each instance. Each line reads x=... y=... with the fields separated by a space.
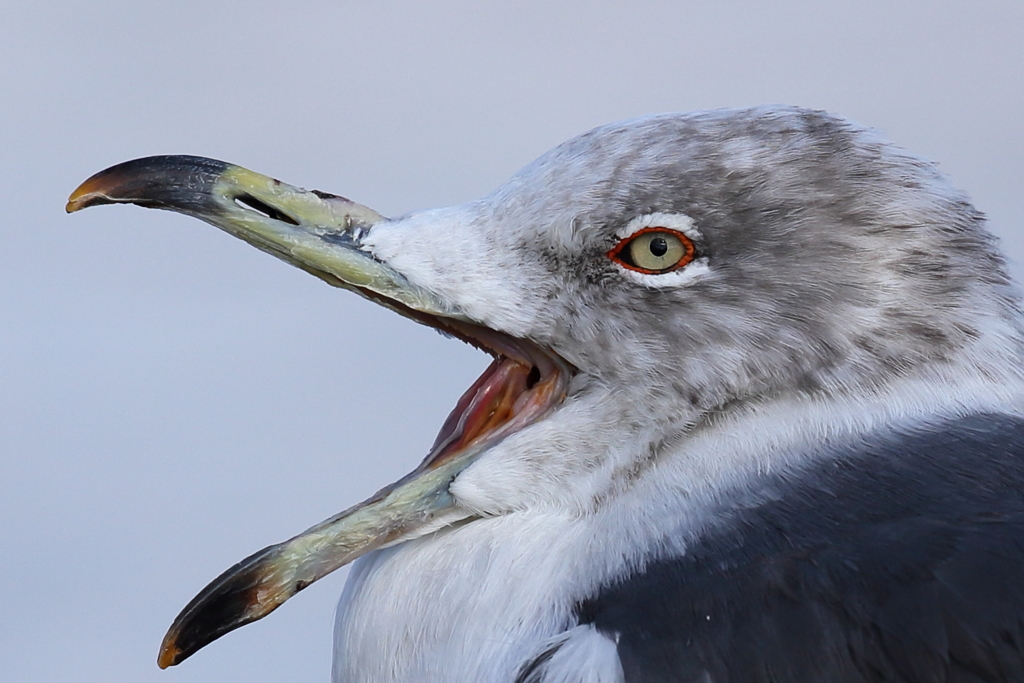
x=654 y=251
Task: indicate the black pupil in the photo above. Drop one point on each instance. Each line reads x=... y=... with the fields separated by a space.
x=658 y=246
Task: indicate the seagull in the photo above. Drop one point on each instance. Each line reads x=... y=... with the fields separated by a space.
x=755 y=414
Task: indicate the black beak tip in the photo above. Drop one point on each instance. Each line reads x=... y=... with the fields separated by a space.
x=178 y=182
x=230 y=601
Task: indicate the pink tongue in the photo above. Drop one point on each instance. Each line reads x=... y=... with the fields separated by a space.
x=486 y=405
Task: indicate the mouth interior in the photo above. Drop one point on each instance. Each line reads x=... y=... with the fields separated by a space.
x=522 y=385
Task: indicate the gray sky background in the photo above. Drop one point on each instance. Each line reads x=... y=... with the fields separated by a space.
x=172 y=400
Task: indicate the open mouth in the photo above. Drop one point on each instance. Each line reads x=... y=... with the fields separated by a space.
x=322 y=234
x=521 y=386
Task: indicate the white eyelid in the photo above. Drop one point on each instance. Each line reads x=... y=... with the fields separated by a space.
x=674 y=278
x=679 y=222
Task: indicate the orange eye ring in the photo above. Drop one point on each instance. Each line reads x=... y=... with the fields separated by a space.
x=654 y=250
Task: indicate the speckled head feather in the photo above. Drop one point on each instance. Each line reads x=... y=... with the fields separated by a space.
x=829 y=259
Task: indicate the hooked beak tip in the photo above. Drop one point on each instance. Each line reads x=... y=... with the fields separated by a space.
x=168 y=655
x=86 y=195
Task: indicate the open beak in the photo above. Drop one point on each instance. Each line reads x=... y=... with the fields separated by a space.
x=322 y=234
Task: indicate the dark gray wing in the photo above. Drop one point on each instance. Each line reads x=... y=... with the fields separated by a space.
x=901 y=561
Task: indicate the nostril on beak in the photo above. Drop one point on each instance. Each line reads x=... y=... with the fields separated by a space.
x=247 y=201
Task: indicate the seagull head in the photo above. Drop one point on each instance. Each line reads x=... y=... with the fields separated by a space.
x=632 y=285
